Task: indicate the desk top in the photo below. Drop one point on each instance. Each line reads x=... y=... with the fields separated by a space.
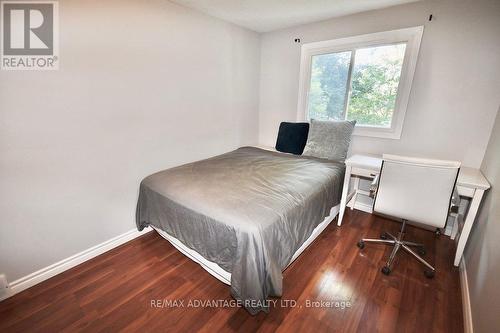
x=372 y=162
x=468 y=177
x=472 y=178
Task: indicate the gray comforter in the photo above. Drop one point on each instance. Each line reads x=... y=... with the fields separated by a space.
x=248 y=211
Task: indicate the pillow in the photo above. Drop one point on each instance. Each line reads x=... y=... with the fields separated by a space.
x=329 y=139
x=292 y=137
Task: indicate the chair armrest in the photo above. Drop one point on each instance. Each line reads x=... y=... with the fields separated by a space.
x=374 y=186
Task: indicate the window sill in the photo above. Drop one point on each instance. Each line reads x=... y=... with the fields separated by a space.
x=377 y=132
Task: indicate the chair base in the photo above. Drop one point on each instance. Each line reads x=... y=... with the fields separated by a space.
x=399 y=243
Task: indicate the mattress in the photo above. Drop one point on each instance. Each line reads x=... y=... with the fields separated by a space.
x=248 y=211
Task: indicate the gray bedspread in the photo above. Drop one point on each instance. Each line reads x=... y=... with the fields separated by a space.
x=248 y=211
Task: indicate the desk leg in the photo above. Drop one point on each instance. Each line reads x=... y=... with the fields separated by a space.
x=345 y=191
x=355 y=196
x=469 y=221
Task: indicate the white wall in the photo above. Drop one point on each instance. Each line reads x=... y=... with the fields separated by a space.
x=455 y=93
x=482 y=254
x=142 y=86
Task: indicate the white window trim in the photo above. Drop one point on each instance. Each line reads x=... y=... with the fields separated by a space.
x=412 y=36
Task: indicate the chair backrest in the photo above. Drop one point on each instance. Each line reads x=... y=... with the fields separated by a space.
x=416 y=189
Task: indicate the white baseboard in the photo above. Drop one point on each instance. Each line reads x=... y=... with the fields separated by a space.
x=467 y=311
x=45 y=273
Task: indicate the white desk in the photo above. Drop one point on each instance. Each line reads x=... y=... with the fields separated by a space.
x=470 y=184
x=366 y=166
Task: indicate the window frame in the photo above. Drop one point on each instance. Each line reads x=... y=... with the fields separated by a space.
x=411 y=36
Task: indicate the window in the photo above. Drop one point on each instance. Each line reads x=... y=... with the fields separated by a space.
x=364 y=78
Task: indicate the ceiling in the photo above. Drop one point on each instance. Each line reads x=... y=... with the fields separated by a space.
x=267 y=15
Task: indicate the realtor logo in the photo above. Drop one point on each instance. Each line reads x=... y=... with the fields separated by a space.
x=30 y=35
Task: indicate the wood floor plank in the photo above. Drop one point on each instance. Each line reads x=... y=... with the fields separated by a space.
x=115 y=292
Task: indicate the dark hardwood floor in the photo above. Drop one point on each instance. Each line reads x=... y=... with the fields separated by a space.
x=114 y=292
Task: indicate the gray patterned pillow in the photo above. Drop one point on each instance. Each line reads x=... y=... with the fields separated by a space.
x=329 y=139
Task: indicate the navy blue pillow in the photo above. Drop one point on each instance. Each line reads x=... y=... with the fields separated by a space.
x=292 y=137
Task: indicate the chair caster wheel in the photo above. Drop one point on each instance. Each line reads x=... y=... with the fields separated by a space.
x=421 y=251
x=429 y=274
x=386 y=270
x=361 y=244
x=383 y=235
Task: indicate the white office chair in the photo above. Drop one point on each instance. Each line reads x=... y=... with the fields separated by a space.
x=416 y=190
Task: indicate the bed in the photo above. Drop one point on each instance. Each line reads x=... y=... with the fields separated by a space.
x=244 y=216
